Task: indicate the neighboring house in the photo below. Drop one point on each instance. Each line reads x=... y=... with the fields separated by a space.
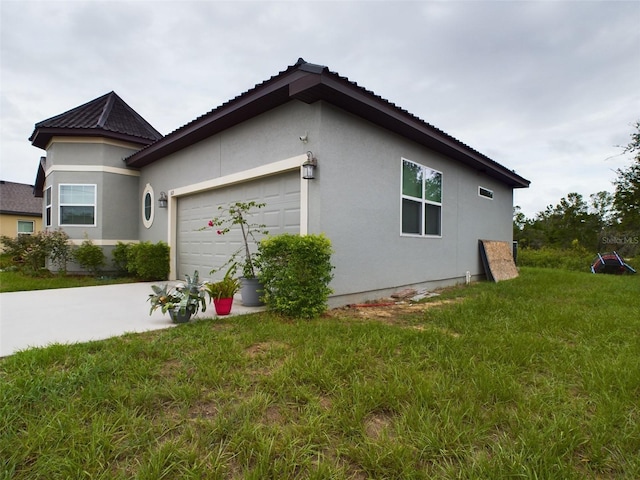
x=403 y=203
x=20 y=211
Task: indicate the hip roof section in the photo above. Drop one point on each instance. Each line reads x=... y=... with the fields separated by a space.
x=107 y=116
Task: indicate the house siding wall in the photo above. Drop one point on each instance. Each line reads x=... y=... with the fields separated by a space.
x=9 y=224
x=270 y=137
x=88 y=151
x=117 y=211
x=356 y=202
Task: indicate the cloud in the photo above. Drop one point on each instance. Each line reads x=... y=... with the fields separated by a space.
x=545 y=88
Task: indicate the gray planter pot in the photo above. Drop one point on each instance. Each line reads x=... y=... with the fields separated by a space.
x=177 y=317
x=251 y=291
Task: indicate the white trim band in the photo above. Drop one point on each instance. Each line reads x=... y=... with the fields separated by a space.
x=244 y=176
x=101 y=242
x=91 y=168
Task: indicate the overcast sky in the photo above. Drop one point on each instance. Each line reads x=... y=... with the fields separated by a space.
x=548 y=89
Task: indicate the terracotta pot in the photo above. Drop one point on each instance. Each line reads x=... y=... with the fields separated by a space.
x=223 y=305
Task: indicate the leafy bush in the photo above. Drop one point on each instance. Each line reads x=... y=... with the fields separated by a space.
x=57 y=248
x=295 y=271
x=120 y=255
x=89 y=256
x=15 y=249
x=6 y=263
x=29 y=252
x=148 y=261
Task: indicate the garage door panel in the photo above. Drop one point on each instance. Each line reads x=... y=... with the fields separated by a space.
x=204 y=250
x=292 y=220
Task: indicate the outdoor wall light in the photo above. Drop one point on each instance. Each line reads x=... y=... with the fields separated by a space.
x=309 y=167
x=163 y=200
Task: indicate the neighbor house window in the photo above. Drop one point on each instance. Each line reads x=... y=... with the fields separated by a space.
x=47 y=207
x=77 y=204
x=485 y=192
x=147 y=206
x=25 y=227
x=421 y=199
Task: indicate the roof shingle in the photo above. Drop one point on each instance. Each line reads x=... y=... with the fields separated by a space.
x=18 y=199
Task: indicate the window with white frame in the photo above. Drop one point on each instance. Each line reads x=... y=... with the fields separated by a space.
x=77 y=204
x=147 y=206
x=485 y=193
x=47 y=207
x=421 y=200
x=26 y=227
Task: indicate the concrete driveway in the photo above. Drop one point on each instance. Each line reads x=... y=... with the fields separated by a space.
x=71 y=315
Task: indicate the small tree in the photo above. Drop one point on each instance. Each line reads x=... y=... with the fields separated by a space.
x=627 y=195
x=235 y=216
x=58 y=249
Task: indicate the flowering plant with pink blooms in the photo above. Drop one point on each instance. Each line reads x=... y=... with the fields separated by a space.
x=238 y=215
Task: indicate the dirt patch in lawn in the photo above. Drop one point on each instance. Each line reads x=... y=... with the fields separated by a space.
x=263 y=348
x=377 y=424
x=387 y=310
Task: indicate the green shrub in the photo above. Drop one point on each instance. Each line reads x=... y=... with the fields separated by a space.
x=29 y=252
x=15 y=249
x=120 y=256
x=89 y=256
x=6 y=262
x=295 y=271
x=148 y=261
x=57 y=248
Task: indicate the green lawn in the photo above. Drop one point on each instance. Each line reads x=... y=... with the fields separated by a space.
x=15 y=281
x=538 y=377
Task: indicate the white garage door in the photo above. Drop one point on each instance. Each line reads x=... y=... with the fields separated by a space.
x=204 y=250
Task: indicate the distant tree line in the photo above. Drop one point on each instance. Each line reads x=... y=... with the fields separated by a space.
x=607 y=221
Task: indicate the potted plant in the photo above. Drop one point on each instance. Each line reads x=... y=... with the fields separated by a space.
x=181 y=301
x=238 y=215
x=222 y=292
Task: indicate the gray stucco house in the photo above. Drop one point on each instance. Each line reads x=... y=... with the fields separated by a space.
x=403 y=203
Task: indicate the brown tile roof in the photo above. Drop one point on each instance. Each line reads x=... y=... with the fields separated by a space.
x=107 y=116
x=18 y=199
x=310 y=83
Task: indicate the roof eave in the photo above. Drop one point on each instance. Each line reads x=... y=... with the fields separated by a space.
x=349 y=97
x=265 y=97
x=21 y=214
x=38 y=186
x=42 y=136
x=310 y=85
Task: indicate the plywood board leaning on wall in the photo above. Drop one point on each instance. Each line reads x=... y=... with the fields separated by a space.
x=497 y=258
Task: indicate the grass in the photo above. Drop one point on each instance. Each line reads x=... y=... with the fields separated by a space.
x=15 y=281
x=538 y=377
